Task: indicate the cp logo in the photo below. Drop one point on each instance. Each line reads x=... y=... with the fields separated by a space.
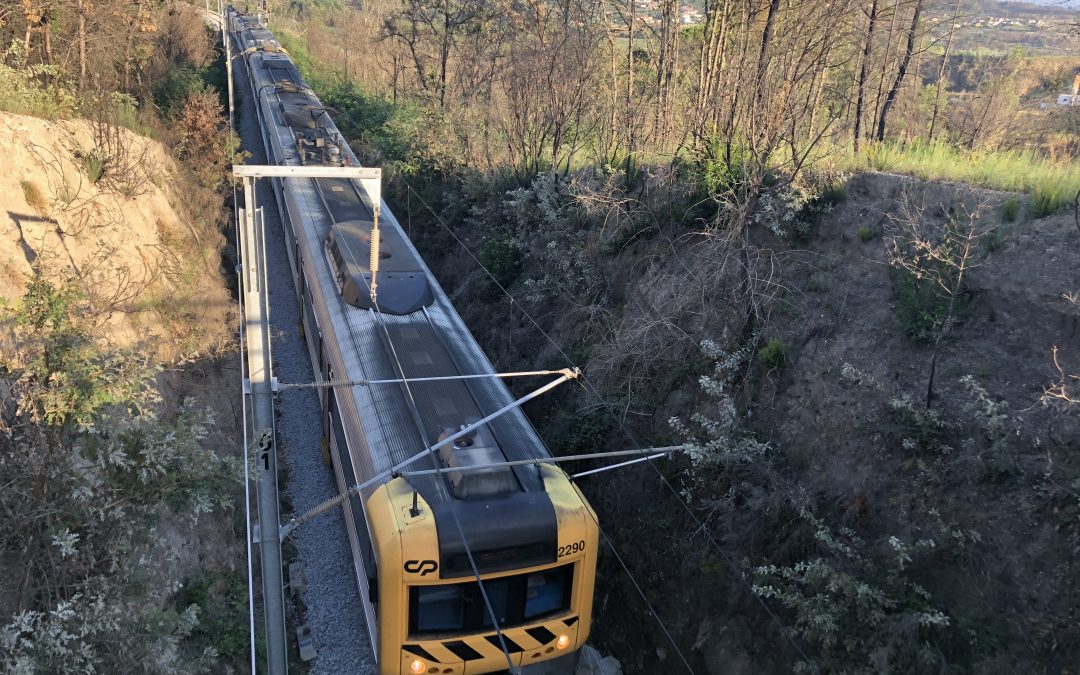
x=421 y=567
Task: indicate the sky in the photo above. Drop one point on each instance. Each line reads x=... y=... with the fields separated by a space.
x=1071 y=4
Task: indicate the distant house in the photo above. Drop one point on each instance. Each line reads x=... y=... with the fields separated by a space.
x=1074 y=97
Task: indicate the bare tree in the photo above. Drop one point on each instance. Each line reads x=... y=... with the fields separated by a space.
x=864 y=69
x=942 y=70
x=901 y=71
x=941 y=255
x=430 y=29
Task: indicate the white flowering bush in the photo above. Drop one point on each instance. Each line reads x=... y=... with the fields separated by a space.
x=992 y=416
x=782 y=210
x=718 y=438
x=853 y=375
x=88 y=631
x=862 y=617
x=89 y=469
x=924 y=428
x=544 y=224
x=994 y=433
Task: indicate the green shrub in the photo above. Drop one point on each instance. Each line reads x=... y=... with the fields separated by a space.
x=834 y=195
x=717 y=174
x=25 y=95
x=775 y=354
x=221 y=598
x=173 y=91
x=93 y=164
x=866 y=233
x=1010 y=210
x=1047 y=201
x=502 y=258
x=920 y=307
x=576 y=432
x=993 y=240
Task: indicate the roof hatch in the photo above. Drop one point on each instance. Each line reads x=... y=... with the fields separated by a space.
x=477 y=448
x=402 y=286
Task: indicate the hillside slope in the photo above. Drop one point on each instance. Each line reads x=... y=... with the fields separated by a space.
x=993 y=483
x=115 y=306
x=828 y=478
x=101 y=205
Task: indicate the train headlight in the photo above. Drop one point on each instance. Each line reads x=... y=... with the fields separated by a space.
x=417 y=666
x=563 y=642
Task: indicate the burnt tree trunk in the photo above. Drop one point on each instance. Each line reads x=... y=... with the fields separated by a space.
x=905 y=61
x=864 y=69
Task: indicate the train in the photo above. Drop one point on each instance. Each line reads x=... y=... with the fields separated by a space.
x=486 y=560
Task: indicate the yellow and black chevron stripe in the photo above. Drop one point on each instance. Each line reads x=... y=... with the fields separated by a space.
x=483 y=653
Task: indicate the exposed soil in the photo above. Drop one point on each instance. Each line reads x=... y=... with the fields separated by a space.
x=130 y=237
x=1005 y=522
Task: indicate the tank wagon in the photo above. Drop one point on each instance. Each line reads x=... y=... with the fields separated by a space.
x=415 y=538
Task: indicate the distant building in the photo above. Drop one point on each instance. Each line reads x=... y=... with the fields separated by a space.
x=1074 y=97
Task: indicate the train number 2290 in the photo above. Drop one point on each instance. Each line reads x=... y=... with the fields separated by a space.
x=570 y=549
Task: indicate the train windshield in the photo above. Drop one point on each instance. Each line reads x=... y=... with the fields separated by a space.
x=515 y=600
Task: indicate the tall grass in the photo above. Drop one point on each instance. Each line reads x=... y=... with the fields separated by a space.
x=1052 y=185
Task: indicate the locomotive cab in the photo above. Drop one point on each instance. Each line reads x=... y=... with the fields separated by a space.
x=432 y=613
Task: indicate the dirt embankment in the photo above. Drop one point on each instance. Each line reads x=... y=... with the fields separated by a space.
x=981 y=496
x=989 y=489
x=110 y=209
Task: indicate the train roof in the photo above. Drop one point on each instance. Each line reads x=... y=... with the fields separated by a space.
x=418 y=333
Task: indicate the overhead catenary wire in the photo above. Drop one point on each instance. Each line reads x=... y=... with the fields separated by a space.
x=784 y=630
x=440 y=485
x=397 y=470
x=611 y=545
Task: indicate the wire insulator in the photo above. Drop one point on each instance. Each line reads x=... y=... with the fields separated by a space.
x=374 y=254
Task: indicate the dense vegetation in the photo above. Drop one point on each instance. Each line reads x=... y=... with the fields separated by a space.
x=94 y=468
x=114 y=493
x=676 y=207
x=769 y=90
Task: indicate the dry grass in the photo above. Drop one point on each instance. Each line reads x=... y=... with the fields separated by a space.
x=1052 y=185
x=34 y=197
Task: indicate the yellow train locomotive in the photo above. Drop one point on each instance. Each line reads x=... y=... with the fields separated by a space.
x=473 y=557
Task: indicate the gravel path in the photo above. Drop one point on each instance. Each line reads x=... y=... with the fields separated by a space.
x=331 y=598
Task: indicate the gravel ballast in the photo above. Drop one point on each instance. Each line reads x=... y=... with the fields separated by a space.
x=331 y=600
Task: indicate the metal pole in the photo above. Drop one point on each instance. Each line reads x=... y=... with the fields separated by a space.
x=660 y=452
x=244 y=449
x=366 y=383
x=228 y=67
x=619 y=465
x=256 y=317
